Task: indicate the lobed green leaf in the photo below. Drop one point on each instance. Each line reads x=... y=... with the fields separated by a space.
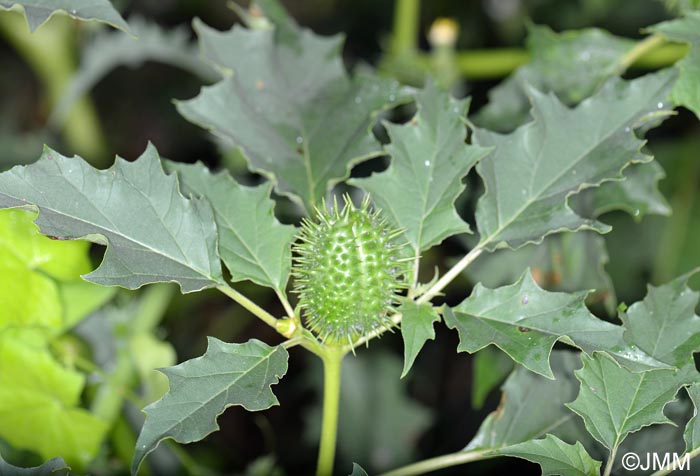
x=556 y=457
x=252 y=243
x=39 y=11
x=429 y=160
x=153 y=233
x=533 y=171
x=202 y=388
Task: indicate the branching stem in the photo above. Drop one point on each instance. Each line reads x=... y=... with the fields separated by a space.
x=256 y=310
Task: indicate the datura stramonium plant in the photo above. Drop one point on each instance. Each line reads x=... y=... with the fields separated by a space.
x=348 y=271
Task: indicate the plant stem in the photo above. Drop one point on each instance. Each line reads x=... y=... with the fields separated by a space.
x=611 y=461
x=406 y=24
x=256 y=310
x=671 y=467
x=639 y=50
x=285 y=303
x=451 y=274
x=439 y=462
x=332 y=360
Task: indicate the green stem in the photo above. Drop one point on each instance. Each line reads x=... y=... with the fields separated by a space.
x=439 y=462
x=639 y=50
x=406 y=25
x=254 y=309
x=332 y=360
x=672 y=466
x=611 y=462
x=451 y=274
x=50 y=51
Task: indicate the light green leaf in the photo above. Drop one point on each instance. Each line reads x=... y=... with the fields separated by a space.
x=291 y=108
x=664 y=324
x=416 y=328
x=521 y=416
x=154 y=234
x=614 y=401
x=429 y=160
x=108 y=50
x=691 y=435
x=686 y=92
x=202 y=388
x=571 y=64
x=40 y=404
x=556 y=457
x=526 y=321
x=637 y=194
x=38 y=11
x=252 y=243
x=535 y=169
x=53 y=467
x=40 y=284
x=357 y=470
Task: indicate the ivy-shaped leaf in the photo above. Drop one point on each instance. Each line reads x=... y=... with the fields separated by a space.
x=252 y=243
x=416 y=328
x=534 y=170
x=686 y=91
x=556 y=457
x=153 y=233
x=664 y=324
x=521 y=416
x=614 y=401
x=53 y=467
x=290 y=107
x=691 y=435
x=40 y=404
x=569 y=64
x=39 y=11
x=202 y=388
x=526 y=321
x=108 y=50
x=429 y=160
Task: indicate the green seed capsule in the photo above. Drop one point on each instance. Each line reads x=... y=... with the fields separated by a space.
x=348 y=271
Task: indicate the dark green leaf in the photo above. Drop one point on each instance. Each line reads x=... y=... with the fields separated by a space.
x=521 y=416
x=429 y=159
x=38 y=11
x=570 y=64
x=153 y=233
x=111 y=49
x=565 y=262
x=686 y=92
x=535 y=169
x=416 y=328
x=556 y=457
x=664 y=324
x=53 y=467
x=525 y=322
x=637 y=194
x=691 y=435
x=614 y=401
x=291 y=108
x=202 y=388
x=252 y=243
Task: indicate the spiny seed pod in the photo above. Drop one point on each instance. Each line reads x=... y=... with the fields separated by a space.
x=348 y=270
